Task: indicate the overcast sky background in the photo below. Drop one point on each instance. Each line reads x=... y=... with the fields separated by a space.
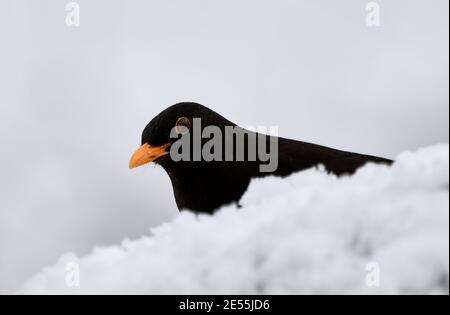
x=73 y=101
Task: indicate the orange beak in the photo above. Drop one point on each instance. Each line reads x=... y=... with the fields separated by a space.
x=147 y=153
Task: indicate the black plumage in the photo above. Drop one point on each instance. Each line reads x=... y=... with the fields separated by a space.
x=203 y=186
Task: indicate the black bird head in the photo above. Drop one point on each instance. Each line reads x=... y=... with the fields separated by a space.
x=198 y=185
x=156 y=137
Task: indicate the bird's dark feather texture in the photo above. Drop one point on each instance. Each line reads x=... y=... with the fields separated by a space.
x=205 y=186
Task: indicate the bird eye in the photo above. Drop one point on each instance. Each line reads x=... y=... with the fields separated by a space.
x=182 y=125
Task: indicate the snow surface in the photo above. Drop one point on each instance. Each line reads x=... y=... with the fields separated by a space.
x=310 y=233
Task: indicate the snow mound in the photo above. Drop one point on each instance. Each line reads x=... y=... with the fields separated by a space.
x=383 y=230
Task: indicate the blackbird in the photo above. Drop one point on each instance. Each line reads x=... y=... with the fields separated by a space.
x=204 y=185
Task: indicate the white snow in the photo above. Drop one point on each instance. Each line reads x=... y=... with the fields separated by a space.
x=309 y=233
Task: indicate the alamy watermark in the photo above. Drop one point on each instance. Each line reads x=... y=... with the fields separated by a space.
x=73 y=14
x=231 y=144
x=373 y=276
x=72 y=274
x=373 y=18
